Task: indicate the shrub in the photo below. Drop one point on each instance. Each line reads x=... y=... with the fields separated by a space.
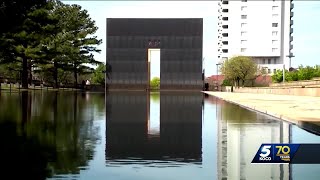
x=278 y=76
x=317 y=71
x=292 y=76
x=226 y=83
x=306 y=73
x=155 y=83
x=303 y=73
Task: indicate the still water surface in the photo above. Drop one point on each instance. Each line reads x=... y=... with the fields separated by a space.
x=66 y=135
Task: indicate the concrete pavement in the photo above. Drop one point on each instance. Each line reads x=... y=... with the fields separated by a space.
x=295 y=109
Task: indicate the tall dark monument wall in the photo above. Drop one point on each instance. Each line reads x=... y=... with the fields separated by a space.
x=180 y=43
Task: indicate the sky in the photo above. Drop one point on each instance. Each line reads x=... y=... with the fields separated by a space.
x=154 y=63
x=306 y=40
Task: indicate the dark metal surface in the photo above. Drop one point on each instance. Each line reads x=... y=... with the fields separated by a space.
x=180 y=43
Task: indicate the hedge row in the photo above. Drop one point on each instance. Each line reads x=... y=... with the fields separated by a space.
x=302 y=73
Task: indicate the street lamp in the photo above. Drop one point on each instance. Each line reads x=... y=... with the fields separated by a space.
x=283 y=72
x=284 y=69
x=290 y=56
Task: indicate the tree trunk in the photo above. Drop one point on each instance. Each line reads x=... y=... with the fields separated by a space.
x=55 y=74
x=242 y=82
x=29 y=72
x=24 y=73
x=75 y=74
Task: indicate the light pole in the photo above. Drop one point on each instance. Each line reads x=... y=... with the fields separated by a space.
x=290 y=56
x=284 y=69
x=283 y=73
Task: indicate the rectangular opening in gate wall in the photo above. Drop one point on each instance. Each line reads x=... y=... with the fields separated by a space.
x=154 y=68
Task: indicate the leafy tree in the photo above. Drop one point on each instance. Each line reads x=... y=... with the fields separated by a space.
x=155 y=83
x=51 y=37
x=9 y=16
x=226 y=82
x=10 y=71
x=79 y=28
x=23 y=44
x=239 y=68
x=100 y=73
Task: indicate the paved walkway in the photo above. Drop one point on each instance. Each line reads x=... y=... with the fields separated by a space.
x=295 y=109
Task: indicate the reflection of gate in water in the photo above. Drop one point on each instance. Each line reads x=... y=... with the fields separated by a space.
x=180 y=136
x=180 y=41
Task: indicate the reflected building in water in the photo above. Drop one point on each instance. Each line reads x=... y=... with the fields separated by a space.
x=240 y=134
x=133 y=131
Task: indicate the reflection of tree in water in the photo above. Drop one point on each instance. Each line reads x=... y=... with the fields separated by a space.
x=236 y=114
x=47 y=134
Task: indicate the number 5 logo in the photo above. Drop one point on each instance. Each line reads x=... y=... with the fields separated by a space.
x=265 y=151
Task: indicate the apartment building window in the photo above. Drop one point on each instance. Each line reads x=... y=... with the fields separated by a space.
x=274 y=8
x=243 y=8
x=243 y=42
x=274 y=15
x=225 y=18
x=263 y=61
x=274 y=49
x=225 y=10
x=274 y=71
x=274 y=24
x=269 y=71
x=243 y=16
x=275 y=61
x=269 y=61
x=243 y=49
x=243 y=33
x=274 y=42
x=243 y=25
x=243 y=0
x=274 y=33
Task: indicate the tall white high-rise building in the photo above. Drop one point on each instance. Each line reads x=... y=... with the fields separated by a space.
x=259 y=29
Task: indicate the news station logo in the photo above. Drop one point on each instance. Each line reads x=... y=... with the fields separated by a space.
x=265 y=153
x=274 y=153
x=283 y=152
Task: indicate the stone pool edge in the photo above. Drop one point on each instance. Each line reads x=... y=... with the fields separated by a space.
x=253 y=108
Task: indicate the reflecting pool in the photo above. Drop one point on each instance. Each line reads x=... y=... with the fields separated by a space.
x=142 y=136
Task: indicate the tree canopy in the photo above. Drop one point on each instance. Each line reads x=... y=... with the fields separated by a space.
x=240 y=68
x=50 y=37
x=100 y=73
